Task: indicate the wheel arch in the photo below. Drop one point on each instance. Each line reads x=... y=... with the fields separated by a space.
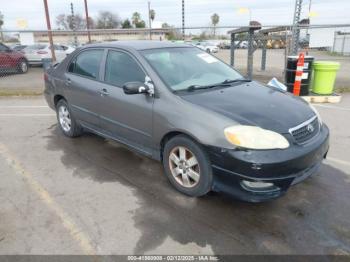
x=172 y=134
x=57 y=98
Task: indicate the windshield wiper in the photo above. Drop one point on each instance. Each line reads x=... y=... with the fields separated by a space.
x=227 y=82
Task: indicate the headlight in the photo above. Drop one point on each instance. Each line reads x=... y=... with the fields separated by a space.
x=317 y=113
x=254 y=137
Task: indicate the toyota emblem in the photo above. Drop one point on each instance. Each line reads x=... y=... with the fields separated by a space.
x=310 y=128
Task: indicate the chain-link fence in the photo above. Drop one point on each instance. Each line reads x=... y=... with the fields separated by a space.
x=341 y=43
x=257 y=51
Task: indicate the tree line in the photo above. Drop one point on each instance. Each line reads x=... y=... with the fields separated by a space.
x=104 y=20
x=109 y=20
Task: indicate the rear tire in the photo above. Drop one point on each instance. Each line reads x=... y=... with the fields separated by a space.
x=66 y=120
x=189 y=172
x=22 y=67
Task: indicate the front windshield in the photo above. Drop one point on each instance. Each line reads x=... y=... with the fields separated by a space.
x=180 y=68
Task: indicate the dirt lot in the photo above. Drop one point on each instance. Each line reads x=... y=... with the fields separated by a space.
x=90 y=195
x=32 y=82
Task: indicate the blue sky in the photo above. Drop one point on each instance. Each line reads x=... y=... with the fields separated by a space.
x=198 y=12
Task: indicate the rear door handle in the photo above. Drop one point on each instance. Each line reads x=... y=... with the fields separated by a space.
x=104 y=92
x=68 y=81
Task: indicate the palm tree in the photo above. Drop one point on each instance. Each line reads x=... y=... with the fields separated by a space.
x=215 y=20
x=136 y=17
x=152 y=14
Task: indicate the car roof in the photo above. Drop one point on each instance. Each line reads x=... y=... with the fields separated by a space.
x=139 y=44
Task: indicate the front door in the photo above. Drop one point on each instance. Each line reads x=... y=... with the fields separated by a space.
x=127 y=118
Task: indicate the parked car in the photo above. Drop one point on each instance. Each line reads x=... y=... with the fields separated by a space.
x=209 y=48
x=211 y=128
x=67 y=48
x=12 y=61
x=35 y=53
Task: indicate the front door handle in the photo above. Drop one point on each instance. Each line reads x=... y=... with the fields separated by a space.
x=104 y=92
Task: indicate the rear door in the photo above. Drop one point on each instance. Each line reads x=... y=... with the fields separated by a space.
x=82 y=86
x=127 y=118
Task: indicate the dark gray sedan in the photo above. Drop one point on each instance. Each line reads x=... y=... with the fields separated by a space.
x=211 y=128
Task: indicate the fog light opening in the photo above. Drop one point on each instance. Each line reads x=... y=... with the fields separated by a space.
x=258 y=186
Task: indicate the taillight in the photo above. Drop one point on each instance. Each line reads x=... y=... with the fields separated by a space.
x=42 y=52
x=46 y=76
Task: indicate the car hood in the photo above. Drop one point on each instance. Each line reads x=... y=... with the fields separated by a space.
x=254 y=104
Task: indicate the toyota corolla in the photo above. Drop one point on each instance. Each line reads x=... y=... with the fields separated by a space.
x=211 y=128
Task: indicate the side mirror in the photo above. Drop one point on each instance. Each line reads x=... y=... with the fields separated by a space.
x=132 y=88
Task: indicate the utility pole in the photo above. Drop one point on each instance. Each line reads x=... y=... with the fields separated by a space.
x=87 y=20
x=149 y=20
x=49 y=30
x=295 y=28
x=183 y=19
x=73 y=25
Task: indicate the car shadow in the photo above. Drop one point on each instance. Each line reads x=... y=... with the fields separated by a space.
x=312 y=218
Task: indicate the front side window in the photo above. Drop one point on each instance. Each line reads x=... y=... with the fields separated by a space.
x=180 y=67
x=87 y=63
x=122 y=68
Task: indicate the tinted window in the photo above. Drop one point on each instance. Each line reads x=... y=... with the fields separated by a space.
x=122 y=68
x=87 y=63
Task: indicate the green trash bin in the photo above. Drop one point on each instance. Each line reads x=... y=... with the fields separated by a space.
x=324 y=77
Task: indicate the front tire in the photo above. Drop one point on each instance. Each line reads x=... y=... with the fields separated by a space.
x=66 y=120
x=187 y=166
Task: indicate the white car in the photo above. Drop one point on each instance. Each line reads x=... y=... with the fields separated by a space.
x=37 y=52
x=67 y=48
x=209 y=48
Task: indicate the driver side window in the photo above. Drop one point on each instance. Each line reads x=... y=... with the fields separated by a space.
x=122 y=68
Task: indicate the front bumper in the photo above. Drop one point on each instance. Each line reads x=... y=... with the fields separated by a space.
x=283 y=168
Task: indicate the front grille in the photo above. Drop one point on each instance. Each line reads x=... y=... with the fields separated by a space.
x=305 y=131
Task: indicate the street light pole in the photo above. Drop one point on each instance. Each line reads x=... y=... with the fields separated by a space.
x=149 y=20
x=295 y=27
x=74 y=25
x=87 y=20
x=49 y=30
x=183 y=19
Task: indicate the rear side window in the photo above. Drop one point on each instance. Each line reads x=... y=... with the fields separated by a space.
x=87 y=63
x=122 y=68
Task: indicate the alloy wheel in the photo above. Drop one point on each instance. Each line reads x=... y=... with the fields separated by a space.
x=184 y=167
x=64 y=118
x=24 y=67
